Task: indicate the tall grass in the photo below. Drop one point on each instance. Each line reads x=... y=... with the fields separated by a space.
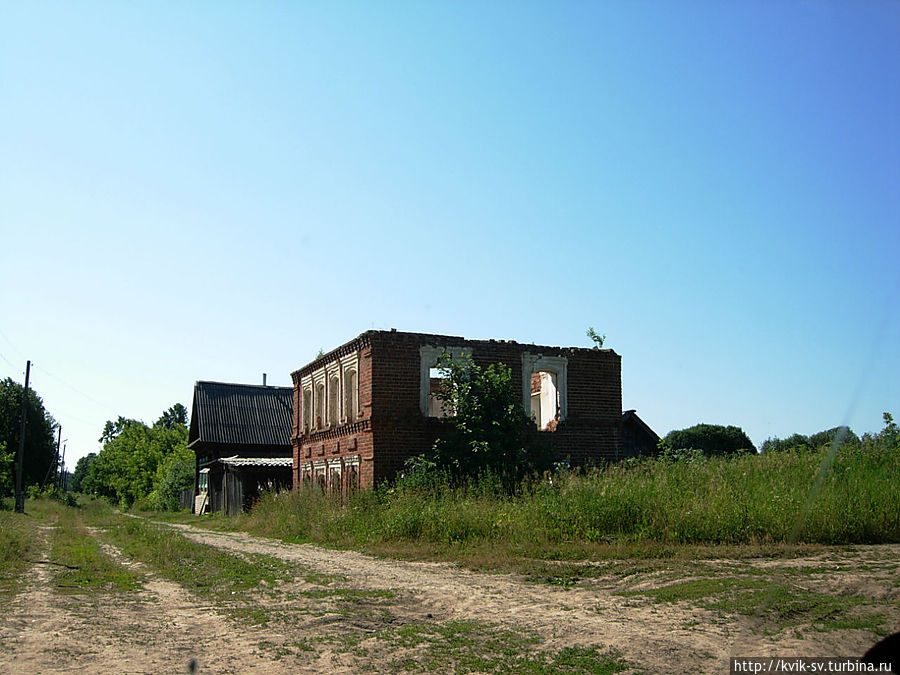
x=748 y=499
x=16 y=546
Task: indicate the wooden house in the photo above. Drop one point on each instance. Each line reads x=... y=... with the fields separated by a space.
x=638 y=439
x=241 y=436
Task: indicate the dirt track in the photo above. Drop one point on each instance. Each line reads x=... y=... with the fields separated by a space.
x=163 y=628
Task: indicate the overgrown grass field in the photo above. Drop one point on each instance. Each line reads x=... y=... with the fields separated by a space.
x=791 y=497
x=16 y=546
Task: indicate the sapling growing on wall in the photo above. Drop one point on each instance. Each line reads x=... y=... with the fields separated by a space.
x=596 y=337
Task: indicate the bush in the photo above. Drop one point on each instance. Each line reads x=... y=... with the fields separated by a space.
x=489 y=432
x=713 y=439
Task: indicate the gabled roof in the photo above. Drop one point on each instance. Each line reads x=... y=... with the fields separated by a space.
x=631 y=417
x=241 y=414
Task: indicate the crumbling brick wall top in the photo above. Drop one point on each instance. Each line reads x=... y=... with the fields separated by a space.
x=383 y=336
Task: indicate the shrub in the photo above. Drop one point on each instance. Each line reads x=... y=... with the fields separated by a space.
x=489 y=431
x=712 y=439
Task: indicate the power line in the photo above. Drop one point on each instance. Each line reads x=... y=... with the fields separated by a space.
x=74 y=388
x=9 y=363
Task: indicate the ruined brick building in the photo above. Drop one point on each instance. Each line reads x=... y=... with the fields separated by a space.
x=361 y=409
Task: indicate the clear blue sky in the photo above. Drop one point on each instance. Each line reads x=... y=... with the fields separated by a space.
x=213 y=190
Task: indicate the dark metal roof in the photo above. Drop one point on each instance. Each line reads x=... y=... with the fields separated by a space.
x=241 y=414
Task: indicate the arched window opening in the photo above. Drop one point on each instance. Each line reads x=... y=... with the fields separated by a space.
x=307 y=410
x=351 y=396
x=335 y=480
x=334 y=401
x=320 y=405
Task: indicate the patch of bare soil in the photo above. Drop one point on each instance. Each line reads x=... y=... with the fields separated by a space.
x=657 y=638
x=160 y=629
x=337 y=616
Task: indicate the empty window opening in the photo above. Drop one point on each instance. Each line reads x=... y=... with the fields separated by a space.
x=351 y=396
x=307 y=410
x=335 y=480
x=352 y=479
x=320 y=479
x=439 y=383
x=334 y=400
x=545 y=400
x=433 y=381
x=320 y=404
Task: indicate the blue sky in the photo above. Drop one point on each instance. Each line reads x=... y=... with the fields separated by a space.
x=213 y=190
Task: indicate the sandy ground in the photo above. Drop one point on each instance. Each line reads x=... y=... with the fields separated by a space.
x=163 y=628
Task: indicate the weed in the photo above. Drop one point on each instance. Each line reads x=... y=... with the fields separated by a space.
x=647 y=509
x=779 y=605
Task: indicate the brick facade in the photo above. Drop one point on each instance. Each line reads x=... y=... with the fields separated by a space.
x=360 y=410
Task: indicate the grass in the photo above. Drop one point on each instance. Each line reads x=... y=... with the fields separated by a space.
x=650 y=508
x=777 y=602
x=221 y=577
x=472 y=646
x=81 y=565
x=17 y=546
x=250 y=588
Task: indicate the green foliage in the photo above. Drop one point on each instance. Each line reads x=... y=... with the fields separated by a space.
x=735 y=499
x=173 y=417
x=489 y=431
x=837 y=435
x=713 y=439
x=127 y=469
x=174 y=475
x=79 y=482
x=7 y=467
x=598 y=339
x=40 y=446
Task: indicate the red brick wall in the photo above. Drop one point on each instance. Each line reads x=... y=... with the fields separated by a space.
x=391 y=426
x=344 y=441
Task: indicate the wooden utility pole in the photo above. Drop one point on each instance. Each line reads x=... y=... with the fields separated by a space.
x=20 y=495
x=61 y=482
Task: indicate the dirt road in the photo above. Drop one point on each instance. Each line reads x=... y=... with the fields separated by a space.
x=381 y=615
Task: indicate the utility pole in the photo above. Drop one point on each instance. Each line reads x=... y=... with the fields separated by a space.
x=62 y=465
x=20 y=495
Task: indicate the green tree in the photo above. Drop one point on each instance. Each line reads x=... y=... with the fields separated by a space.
x=890 y=435
x=126 y=468
x=6 y=470
x=174 y=416
x=489 y=431
x=174 y=475
x=793 y=442
x=712 y=439
x=81 y=471
x=841 y=435
x=837 y=435
x=40 y=446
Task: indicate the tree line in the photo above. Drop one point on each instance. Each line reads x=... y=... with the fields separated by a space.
x=150 y=464
x=39 y=458
x=140 y=464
